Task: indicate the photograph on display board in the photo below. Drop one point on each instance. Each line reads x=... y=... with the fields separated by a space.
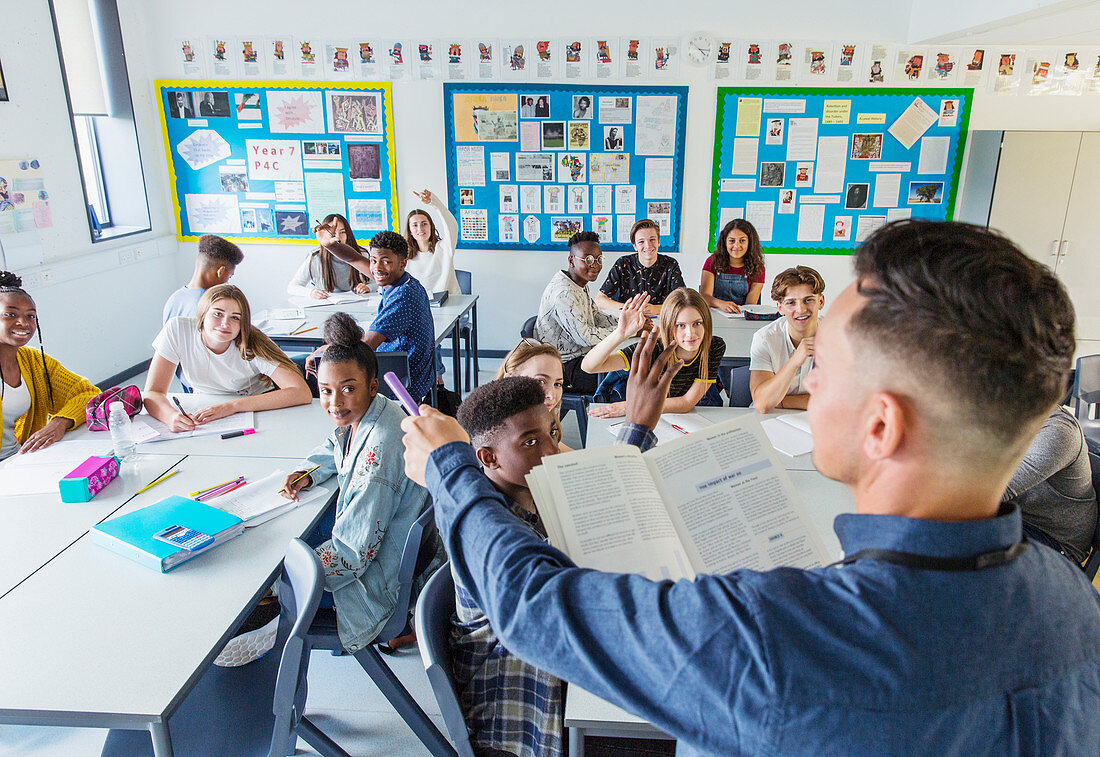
x=612 y=138
x=354 y=113
x=467 y=107
x=364 y=160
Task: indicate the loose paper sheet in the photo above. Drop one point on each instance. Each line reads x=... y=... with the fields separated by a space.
x=832 y=157
x=887 y=187
x=933 y=155
x=913 y=123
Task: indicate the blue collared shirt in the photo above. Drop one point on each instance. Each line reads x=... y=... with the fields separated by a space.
x=872 y=658
x=405 y=320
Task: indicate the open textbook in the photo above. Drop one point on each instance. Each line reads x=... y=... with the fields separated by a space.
x=708 y=502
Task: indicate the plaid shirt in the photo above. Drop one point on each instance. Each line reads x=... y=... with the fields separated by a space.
x=508 y=704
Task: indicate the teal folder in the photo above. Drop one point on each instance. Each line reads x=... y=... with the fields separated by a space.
x=131 y=535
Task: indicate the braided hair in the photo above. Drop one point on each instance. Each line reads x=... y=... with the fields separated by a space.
x=344 y=338
x=12 y=284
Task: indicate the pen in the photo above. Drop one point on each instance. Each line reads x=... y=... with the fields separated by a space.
x=232 y=434
x=678 y=428
x=315 y=467
x=151 y=484
x=185 y=415
x=303 y=331
x=215 y=486
x=402 y=393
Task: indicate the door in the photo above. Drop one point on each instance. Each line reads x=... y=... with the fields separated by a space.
x=1079 y=254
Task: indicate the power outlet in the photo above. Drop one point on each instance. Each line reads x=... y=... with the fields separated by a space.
x=47 y=276
x=140 y=253
x=126 y=256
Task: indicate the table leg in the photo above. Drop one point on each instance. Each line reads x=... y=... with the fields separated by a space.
x=162 y=740
x=576 y=742
x=473 y=341
x=456 y=361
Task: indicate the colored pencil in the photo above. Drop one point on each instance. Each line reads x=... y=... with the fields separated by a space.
x=315 y=467
x=151 y=484
x=215 y=486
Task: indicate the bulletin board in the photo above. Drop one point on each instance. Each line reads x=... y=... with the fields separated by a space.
x=528 y=165
x=817 y=170
x=261 y=161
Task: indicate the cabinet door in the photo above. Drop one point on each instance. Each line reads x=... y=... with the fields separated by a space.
x=1034 y=177
x=1079 y=263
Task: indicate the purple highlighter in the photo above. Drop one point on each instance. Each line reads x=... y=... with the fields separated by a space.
x=402 y=393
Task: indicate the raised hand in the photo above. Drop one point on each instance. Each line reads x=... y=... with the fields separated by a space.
x=424 y=195
x=633 y=317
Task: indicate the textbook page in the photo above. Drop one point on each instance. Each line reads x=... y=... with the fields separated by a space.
x=601 y=508
x=732 y=502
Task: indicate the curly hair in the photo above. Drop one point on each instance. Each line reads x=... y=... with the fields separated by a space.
x=530 y=348
x=344 y=338
x=433 y=237
x=13 y=284
x=800 y=275
x=488 y=406
x=753 y=262
x=216 y=251
x=583 y=236
x=388 y=240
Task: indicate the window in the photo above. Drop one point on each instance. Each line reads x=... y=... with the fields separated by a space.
x=89 y=41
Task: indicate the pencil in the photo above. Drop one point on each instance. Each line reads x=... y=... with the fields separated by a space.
x=315 y=467
x=220 y=489
x=215 y=486
x=214 y=495
x=151 y=484
x=303 y=331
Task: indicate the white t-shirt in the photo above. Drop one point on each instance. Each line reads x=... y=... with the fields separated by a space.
x=772 y=348
x=203 y=370
x=17 y=401
x=436 y=270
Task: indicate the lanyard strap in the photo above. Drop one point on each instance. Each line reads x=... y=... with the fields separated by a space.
x=927 y=562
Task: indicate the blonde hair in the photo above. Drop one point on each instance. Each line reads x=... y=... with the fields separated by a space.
x=666 y=325
x=530 y=348
x=251 y=342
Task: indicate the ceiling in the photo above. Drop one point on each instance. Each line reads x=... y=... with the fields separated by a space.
x=1065 y=23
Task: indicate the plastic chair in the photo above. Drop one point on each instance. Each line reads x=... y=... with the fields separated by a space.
x=466 y=329
x=433 y=633
x=398 y=362
x=1092 y=564
x=735 y=378
x=1086 y=393
x=578 y=403
x=299 y=595
x=528 y=330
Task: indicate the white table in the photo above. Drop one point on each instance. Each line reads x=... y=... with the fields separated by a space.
x=93 y=639
x=588 y=714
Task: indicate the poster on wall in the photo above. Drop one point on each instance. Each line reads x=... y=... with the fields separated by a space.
x=24 y=198
x=3 y=87
x=265 y=160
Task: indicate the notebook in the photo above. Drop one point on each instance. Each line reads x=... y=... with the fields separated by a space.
x=260 y=501
x=790 y=434
x=131 y=535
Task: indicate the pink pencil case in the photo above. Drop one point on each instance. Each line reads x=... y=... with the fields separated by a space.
x=88 y=479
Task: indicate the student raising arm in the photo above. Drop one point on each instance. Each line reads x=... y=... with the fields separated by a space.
x=685 y=322
x=432 y=247
x=39 y=398
x=220 y=353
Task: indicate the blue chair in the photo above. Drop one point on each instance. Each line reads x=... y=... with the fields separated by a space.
x=578 y=403
x=433 y=633
x=735 y=378
x=466 y=329
x=1092 y=564
x=1086 y=393
x=398 y=362
x=299 y=594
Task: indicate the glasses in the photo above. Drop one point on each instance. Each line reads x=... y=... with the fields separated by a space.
x=593 y=259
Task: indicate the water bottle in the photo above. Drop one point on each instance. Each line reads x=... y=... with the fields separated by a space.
x=122 y=437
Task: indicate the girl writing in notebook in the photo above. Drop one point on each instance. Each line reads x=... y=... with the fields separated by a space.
x=685 y=322
x=321 y=273
x=432 y=247
x=40 y=399
x=220 y=353
x=733 y=275
x=541 y=362
x=377 y=504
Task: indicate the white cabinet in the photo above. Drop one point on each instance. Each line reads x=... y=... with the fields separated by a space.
x=1047 y=200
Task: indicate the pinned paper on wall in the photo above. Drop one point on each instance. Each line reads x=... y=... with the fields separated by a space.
x=913 y=123
x=213 y=214
x=203 y=148
x=367 y=215
x=294 y=111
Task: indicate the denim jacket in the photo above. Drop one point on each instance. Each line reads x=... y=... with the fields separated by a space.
x=375 y=509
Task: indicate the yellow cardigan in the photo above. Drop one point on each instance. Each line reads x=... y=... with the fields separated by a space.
x=70 y=393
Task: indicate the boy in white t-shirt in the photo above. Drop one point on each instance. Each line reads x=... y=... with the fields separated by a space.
x=782 y=352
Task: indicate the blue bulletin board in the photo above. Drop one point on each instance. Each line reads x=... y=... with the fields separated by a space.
x=817 y=170
x=528 y=165
x=261 y=161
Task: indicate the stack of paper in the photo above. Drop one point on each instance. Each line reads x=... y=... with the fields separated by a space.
x=280 y=321
x=38 y=472
x=790 y=434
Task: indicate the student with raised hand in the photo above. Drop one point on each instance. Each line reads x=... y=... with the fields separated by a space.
x=943 y=633
x=40 y=399
x=685 y=322
x=541 y=362
x=1053 y=488
x=215 y=264
x=644 y=272
x=376 y=505
x=568 y=318
x=321 y=274
x=404 y=321
x=733 y=275
x=220 y=352
x=432 y=246
x=510 y=706
x=781 y=355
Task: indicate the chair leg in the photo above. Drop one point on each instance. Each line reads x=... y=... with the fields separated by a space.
x=318 y=739
x=582 y=426
x=390 y=686
x=467 y=340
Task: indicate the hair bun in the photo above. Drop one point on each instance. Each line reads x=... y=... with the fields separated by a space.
x=341 y=329
x=10 y=280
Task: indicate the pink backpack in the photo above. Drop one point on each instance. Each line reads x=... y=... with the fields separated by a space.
x=98 y=410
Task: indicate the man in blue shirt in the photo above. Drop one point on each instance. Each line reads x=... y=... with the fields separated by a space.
x=944 y=633
x=215 y=264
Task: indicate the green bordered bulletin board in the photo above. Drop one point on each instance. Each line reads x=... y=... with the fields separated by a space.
x=817 y=170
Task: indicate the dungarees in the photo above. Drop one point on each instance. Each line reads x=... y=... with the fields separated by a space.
x=732 y=287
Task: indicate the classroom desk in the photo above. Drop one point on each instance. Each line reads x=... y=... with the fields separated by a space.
x=446 y=320
x=93 y=639
x=589 y=715
x=38 y=527
x=601 y=435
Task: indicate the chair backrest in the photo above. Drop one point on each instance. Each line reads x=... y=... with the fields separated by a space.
x=398 y=362
x=299 y=594
x=740 y=396
x=465 y=281
x=1093 y=563
x=433 y=631
x=528 y=330
x=420 y=547
x=1086 y=384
